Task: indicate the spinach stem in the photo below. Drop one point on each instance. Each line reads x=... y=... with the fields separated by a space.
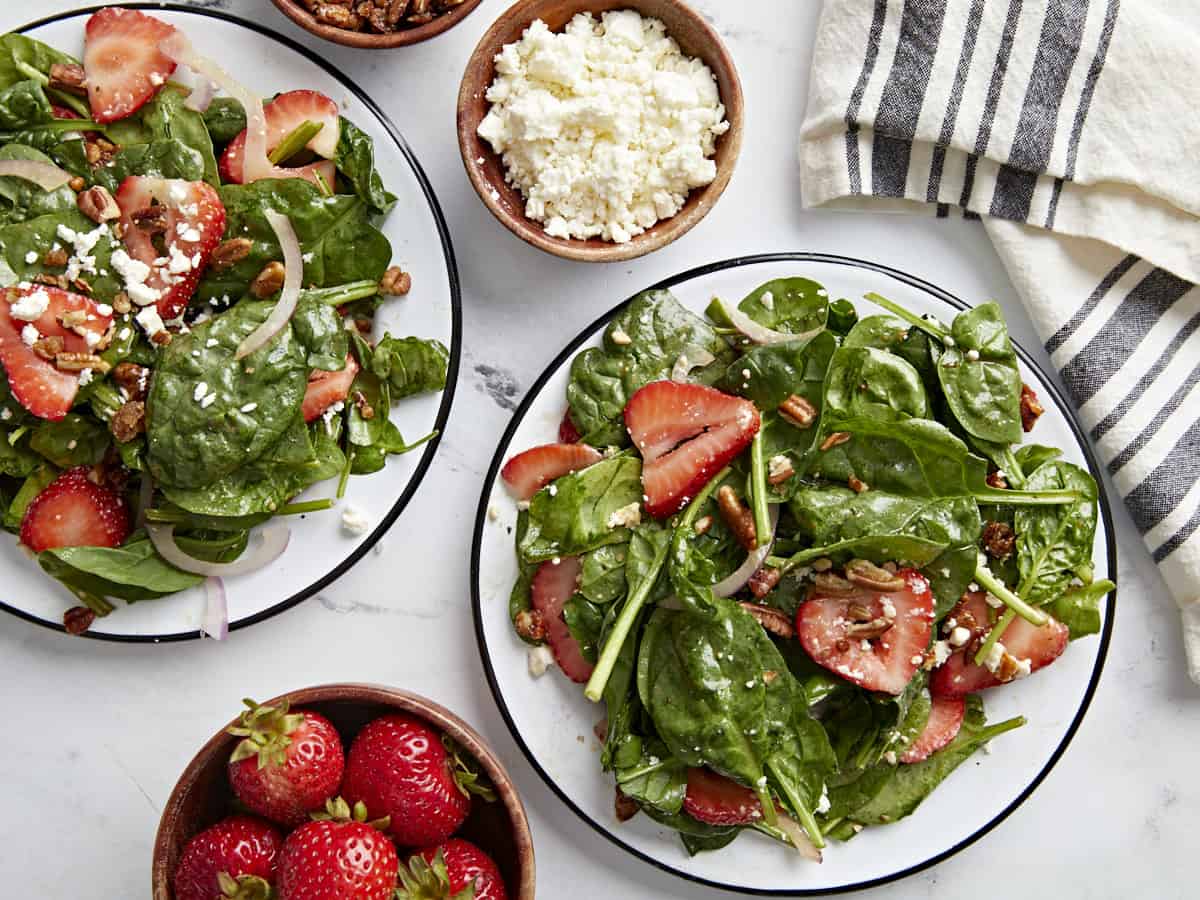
x=934 y=329
x=999 y=589
x=75 y=104
x=32 y=73
x=295 y=141
x=345 y=477
x=993 y=637
x=322 y=185
x=758 y=485
x=341 y=293
x=594 y=690
x=1028 y=498
x=97 y=604
x=307 y=506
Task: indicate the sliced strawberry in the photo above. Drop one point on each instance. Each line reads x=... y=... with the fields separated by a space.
x=686 y=433
x=945 y=719
x=884 y=663
x=527 y=473
x=195 y=222
x=553 y=584
x=1023 y=642
x=567 y=432
x=284 y=114
x=75 y=512
x=717 y=800
x=124 y=66
x=38 y=386
x=327 y=388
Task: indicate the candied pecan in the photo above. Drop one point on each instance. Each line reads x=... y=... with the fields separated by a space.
x=420 y=12
x=269 y=281
x=773 y=620
x=129 y=421
x=998 y=540
x=132 y=379
x=337 y=16
x=76 y=184
x=78 y=619
x=829 y=583
x=231 y=252
x=77 y=362
x=834 y=440
x=55 y=258
x=99 y=151
x=365 y=409
x=738 y=517
x=764 y=581
x=58 y=281
x=121 y=303
x=530 y=625
x=1009 y=668
x=152 y=219
x=73 y=318
x=857 y=485
x=395 y=12
x=98 y=204
x=872 y=628
x=996 y=480
x=867 y=574
x=68 y=78
x=82 y=285
x=395 y=282
x=625 y=807
x=798 y=411
x=1031 y=408
x=48 y=347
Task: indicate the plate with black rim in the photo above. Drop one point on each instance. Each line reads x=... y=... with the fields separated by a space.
x=319 y=550
x=553 y=722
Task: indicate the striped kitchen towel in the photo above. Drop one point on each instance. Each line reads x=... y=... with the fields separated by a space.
x=1069 y=128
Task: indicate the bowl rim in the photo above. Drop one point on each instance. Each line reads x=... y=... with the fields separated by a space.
x=361 y=692
x=507 y=27
x=369 y=40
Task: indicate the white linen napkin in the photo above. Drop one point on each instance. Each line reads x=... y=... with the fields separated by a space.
x=1069 y=127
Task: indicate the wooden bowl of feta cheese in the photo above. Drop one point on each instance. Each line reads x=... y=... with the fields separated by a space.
x=600 y=130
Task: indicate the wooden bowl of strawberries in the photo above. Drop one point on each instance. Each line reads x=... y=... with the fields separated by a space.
x=344 y=790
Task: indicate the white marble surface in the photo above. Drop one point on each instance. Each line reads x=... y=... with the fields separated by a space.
x=96 y=733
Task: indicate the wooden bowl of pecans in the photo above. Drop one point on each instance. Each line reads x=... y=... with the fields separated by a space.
x=376 y=24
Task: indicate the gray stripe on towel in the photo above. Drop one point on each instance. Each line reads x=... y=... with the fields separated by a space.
x=1161 y=492
x=904 y=95
x=938 y=163
x=853 y=166
x=1063 y=334
x=1179 y=538
x=1160 y=418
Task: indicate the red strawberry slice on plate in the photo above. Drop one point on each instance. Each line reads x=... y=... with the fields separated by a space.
x=124 y=66
x=717 y=800
x=1024 y=643
x=527 y=473
x=567 y=432
x=553 y=585
x=945 y=719
x=35 y=382
x=327 y=388
x=884 y=663
x=284 y=115
x=686 y=434
x=194 y=219
x=73 y=511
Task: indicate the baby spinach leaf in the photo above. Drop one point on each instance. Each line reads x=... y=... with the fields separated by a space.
x=1032 y=457
x=791 y=305
x=225 y=119
x=769 y=374
x=355 y=159
x=979 y=375
x=36 y=482
x=519 y=598
x=192 y=444
x=213 y=546
x=410 y=365
x=878 y=548
x=866 y=382
x=326 y=227
x=603 y=578
x=361 y=430
x=1055 y=543
x=697 y=836
x=19 y=55
x=167 y=158
x=167 y=117
x=319 y=330
x=584 y=619
x=134 y=571
x=20 y=199
x=1079 y=607
x=16 y=460
x=656 y=779
x=882 y=332
x=950 y=575
x=23 y=105
x=572 y=515
x=75 y=440
x=641 y=344
x=842 y=317
x=19 y=240
x=829 y=514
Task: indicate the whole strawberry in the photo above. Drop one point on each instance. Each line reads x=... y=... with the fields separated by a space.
x=339 y=856
x=399 y=767
x=287 y=765
x=455 y=869
x=233 y=859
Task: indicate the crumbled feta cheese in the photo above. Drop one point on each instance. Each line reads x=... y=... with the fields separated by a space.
x=767 y=300
x=995 y=656
x=31 y=257
x=890 y=758
x=993 y=601
x=777 y=466
x=178 y=262
x=210 y=343
x=208 y=401
x=5 y=414
x=156 y=78
x=30 y=335
x=522 y=505
x=354 y=520
x=1024 y=667
x=959 y=636
x=85 y=377
x=949 y=341
x=200 y=391
x=552 y=490
x=307 y=257
x=30 y=307
x=605 y=127
x=626 y=516
x=889 y=608
x=150 y=320
x=249 y=407
x=620 y=338
x=104 y=309
x=540 y=659
x=973 y=355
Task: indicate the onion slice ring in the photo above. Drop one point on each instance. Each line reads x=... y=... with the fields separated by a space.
x=293 y=269
x=201 y=96
x=215 y=622
x=761 y=334
x=727 y=587
x=692 y=357
x=44 y=175
x=273 y=541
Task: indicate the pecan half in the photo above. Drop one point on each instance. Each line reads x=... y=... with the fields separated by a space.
x=765 y=580
x=98 y=204
x=73 y=318
x=798 y=411
x=395 y=282
x=1009 y=668
x=829 y=583
x=78 y=619
x=866 y=574
x=870 y=629
x=77 y=362
x=857 y=485
x=998 y=540
x=269 y=281
x=337 y=16
x=133 y=379
x=58 y=281
x=737 y=517
x=625 y=807
x=48 y=347
x=68 y=78
x=1031 y=408
x=996 y=480
x=129 y=421
x=773 y=620
x=834 y=440
x=121 y=303
x=530 y=625
x=231 y=252
x=395 y=12
x=152 y=219
x=55 y=258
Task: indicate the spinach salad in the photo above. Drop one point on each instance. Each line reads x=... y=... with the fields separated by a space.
x=189 y=307
x=787 y=548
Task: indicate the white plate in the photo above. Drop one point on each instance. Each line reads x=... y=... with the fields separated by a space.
x=552 y=721
x=319 y=551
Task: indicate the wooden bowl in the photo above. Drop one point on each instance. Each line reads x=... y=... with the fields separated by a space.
x=202 y=796
x=368 y=40
x=486 y=170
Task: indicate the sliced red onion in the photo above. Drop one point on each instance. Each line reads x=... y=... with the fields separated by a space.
x=293 y=268
x=273 y=541
x=44 y=175
x=798 y=836
x=202 y=94
x=145 y=498
x=690 y=358
x=729 y=586
x=761 y=334
x=216 y=610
